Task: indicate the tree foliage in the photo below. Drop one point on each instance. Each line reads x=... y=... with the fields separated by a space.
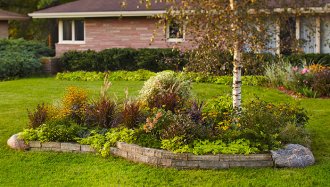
x=33 y=28
x=234 y=26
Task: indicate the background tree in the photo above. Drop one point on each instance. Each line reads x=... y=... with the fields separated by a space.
x=234 y=26
x=32 y=29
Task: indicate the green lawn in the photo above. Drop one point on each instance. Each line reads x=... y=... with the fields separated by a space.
x=66 y=169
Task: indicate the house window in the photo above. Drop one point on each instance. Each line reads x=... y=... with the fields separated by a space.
x=175 y=32
x=67 y=30
x=71 y=31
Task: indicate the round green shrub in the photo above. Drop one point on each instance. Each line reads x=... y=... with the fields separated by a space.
x=165 y=89
x=20 y=58
x=17 y=64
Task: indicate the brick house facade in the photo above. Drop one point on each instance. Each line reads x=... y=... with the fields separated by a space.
x=102 y=24
x=127 y=32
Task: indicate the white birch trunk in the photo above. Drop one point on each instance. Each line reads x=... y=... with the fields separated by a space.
x=237 y=78
x=237 y=71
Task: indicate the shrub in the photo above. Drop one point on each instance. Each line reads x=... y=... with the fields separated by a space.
x=23 y=46
x=102 y=113
x=159 y=59
x=117 y=59
x=218 y=112
x=254 y=63
x=17 y=64
x=321 y=83
x=180 y=125
x=209 y=62
x=123 y=59
x=75 y=104
x=195 y=111
x=103 y=142
x=165 y=90
x=58 y=130
x=96 y=139
x=147 y=139
x=219 y=63
x=279 y=73
x=82 y=60
x=167 y=125
x=261 y=122
x=132 y=114
x=20 y=58
x=296 y=135
x=157 y=121
x=176 y=145
x=38 y=117
x=310 y=81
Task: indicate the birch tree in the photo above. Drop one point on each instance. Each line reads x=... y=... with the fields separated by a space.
x=234 y=26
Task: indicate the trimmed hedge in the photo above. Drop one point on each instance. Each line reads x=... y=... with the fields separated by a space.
x=123 y=59
x=20 y=58
x=156 y=60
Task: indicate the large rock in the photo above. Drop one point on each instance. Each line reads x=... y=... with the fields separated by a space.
x=293 y=156
x=15 y=143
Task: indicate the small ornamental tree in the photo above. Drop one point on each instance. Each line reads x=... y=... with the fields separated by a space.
x=234 y=26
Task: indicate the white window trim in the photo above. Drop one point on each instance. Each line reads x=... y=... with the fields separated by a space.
x=175 y=40
x=73 y=41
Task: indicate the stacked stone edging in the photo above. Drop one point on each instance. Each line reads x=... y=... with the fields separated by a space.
x=189 y=161
x=293 y=155
x=163 y=158
x=60 y=147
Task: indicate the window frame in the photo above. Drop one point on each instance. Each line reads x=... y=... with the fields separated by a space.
x=73 y=32
x=175 y=40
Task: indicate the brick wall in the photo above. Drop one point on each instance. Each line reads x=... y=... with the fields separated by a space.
x=3 y=29
x=133 y=32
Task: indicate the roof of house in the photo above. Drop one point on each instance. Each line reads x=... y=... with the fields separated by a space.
x=101 y=8
x=298 y=3
x=116 y=8
x=6 y=15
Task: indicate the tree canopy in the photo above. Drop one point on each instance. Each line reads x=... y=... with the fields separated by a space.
x=234 y=26
x=30 y=29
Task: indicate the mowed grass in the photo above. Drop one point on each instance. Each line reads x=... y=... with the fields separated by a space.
x=19 y=168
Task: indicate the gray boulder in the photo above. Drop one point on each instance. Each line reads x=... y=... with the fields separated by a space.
x=15 y=143
x=293 y=156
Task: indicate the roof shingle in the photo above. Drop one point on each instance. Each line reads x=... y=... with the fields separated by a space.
x=6 y=15
x=104 y=6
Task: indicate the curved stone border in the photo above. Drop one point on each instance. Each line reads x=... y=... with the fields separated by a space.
x=157 y=157
x=164 y=158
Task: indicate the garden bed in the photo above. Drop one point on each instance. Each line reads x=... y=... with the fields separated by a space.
x=166 y=116
x=162 y=158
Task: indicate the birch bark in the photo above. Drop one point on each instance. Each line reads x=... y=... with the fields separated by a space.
x=237 y=71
